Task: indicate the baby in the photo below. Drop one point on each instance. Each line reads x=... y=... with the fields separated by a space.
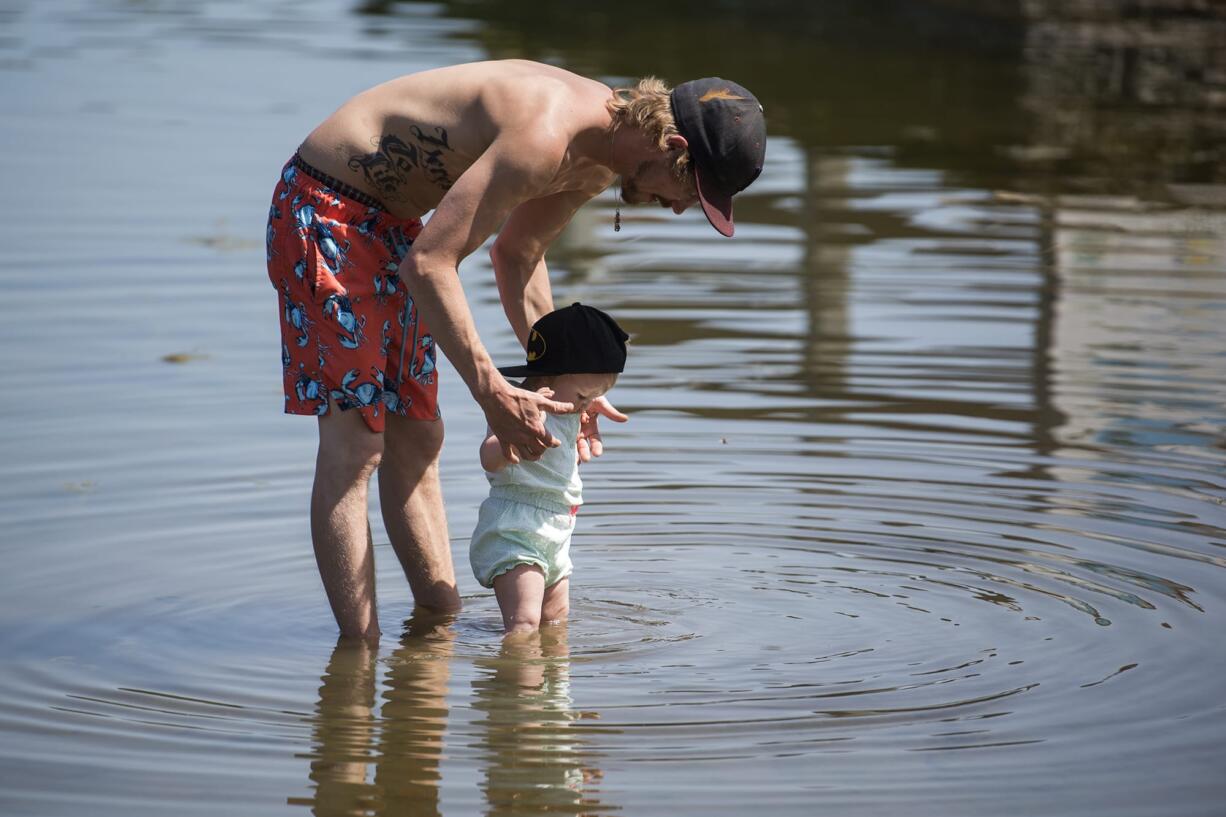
x=521 y=545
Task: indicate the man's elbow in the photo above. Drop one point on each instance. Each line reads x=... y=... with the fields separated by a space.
x=512 y=263
x=421 y=266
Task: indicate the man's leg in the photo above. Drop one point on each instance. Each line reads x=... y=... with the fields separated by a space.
x=412 y=502
x=349 y=452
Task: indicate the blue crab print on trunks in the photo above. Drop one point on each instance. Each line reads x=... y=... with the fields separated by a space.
x=350 y=335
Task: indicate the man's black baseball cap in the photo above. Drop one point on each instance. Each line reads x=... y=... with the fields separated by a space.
x=576 y=339
x=726 y=130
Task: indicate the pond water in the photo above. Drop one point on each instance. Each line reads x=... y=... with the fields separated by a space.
x=920 y=509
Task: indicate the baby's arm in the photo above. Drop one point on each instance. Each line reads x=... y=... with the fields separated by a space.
x=492 y=458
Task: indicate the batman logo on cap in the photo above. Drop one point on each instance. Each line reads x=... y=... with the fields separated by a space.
x=536 y=346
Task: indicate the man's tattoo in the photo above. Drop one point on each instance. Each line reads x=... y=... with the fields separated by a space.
x=432 y=155
x=388 y=168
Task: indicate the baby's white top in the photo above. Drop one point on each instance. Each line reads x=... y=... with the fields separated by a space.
x=555 y=475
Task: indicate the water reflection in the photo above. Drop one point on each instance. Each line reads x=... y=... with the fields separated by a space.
x=382 y=754
x=926 y=149
x=385 y=763
x=531 y=742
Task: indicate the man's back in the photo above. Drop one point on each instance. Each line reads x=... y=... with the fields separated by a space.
x=405 y=142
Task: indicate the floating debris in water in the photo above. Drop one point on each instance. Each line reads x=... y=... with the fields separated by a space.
x=1013 y=197
x=183 y=357
x=83 y=487
x=1037 y=153
x=223 y=241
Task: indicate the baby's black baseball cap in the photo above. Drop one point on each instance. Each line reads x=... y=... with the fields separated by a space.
x=576 y=339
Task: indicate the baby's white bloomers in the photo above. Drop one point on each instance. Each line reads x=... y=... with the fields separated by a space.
x=529 y=515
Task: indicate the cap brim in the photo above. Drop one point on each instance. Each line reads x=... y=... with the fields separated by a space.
x=716 y=205
x=517 y=371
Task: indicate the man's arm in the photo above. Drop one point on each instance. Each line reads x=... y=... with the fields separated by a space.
x=518 y=256
x=523 y=286
x=508 y=173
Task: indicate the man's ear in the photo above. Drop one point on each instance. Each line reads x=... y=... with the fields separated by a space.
x=677 y=141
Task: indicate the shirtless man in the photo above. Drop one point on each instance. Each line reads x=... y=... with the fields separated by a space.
x=512 y=147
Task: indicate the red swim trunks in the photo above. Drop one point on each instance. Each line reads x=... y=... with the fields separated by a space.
x=349 y=331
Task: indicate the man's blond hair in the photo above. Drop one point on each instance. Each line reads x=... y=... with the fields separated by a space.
x=647 y=106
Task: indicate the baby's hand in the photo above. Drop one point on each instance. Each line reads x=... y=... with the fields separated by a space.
x=589 y=443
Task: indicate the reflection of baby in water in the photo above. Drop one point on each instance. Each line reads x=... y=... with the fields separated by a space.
x=521 y=545
x=535 y=760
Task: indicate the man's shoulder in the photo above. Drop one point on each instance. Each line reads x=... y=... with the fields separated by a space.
x=526 y=97
x=538 y=79
x=540 y=117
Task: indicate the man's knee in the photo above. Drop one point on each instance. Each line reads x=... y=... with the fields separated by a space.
x=413 y=446
x=416 y=435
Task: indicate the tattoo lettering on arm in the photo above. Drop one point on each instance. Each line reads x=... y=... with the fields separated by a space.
x=432 y=160
x=388 y=168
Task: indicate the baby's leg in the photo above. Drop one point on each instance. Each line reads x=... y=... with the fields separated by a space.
x=519 y=592
x=555 y=606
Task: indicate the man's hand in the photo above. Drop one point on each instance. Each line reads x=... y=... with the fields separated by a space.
x=589 y=435
x=515 y=416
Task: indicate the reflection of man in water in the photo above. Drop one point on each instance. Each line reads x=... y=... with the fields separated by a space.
x=535 y=762
x=404 y=743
